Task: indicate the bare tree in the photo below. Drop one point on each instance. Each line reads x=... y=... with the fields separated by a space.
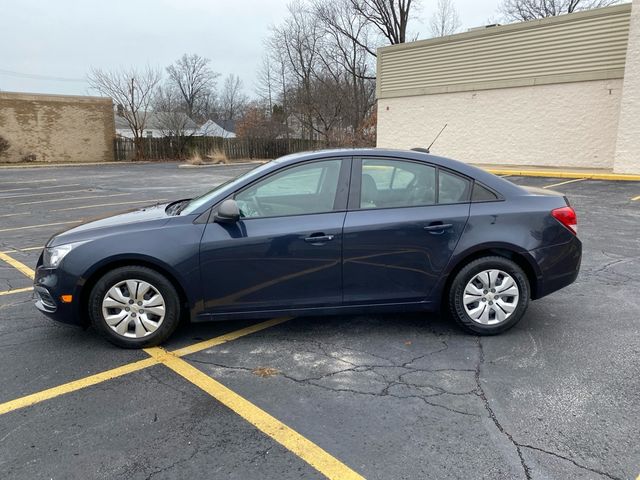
x=232 y=99
x=171 y=118
x=133 y=90
x=524 y=10
x=194 y=79
x=390 y=17
x=445 y=20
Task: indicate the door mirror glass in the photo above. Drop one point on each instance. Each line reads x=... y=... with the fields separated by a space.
x=228 y=212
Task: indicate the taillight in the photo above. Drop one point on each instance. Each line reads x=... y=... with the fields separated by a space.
x=567 y=217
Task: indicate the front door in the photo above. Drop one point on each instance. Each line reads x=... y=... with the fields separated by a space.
x=404 y=221
x=285 y=251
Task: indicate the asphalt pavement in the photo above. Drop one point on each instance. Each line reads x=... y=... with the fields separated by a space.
x=394 y=396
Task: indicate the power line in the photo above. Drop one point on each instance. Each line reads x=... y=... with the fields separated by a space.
x=34 y=76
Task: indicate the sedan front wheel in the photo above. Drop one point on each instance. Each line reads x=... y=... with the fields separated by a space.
x=134 y=307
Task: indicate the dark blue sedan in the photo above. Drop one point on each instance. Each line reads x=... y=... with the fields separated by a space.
x=327 y=232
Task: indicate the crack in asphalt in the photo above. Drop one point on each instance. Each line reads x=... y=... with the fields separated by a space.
x=492 y=415
x=557 y=455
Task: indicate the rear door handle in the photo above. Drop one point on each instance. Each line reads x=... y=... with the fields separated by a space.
x=438 y=227
x=318 y=238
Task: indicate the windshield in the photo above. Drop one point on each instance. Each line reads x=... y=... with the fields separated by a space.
x=197 y=202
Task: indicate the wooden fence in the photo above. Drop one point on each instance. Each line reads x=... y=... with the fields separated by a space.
x=179 y=148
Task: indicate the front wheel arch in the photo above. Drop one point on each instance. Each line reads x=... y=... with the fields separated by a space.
x=98 y=273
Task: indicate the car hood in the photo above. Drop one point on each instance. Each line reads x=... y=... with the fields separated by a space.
x=101 y=226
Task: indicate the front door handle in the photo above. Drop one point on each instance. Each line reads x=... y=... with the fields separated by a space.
x=318 y=238
x=438 y=228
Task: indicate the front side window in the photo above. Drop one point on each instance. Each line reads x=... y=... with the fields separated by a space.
x=299 y=190
x=388 y=183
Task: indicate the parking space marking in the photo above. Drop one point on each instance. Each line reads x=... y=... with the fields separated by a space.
x=18 y=250
x=634 y=199
x=39 y=226
x=75 y=385
x=47 y=186
x=301 y=446
x=91 y=380
x=565 y=182
x=16 y=290
x=21 y=267
x=73 y=198
x=156 y=200
x=29 y=181
x=43 y=194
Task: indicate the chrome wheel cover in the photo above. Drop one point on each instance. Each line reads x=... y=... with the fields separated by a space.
x=491 y=297
x=133 y=308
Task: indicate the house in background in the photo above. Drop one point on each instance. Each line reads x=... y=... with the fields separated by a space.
x=159 y=125
x=213 y=129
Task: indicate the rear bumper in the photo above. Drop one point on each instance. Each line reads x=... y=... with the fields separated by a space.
x=48 y=285
x=559 y=266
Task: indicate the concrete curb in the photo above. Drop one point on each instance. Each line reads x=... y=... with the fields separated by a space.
x=563 y=174
x=232 y=164
x=79 y=164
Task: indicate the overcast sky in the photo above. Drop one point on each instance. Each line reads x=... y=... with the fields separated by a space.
x=62 y=39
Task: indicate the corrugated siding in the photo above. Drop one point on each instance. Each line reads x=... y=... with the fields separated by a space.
x=582 y=46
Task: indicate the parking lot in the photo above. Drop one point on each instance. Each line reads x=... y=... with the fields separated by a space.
x=402 y=396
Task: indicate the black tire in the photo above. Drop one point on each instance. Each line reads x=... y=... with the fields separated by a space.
x=159 y=282
x=468 y=272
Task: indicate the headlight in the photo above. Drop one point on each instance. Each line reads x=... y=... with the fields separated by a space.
x=54 y=255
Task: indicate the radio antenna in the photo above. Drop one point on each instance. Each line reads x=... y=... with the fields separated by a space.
x=434 y=140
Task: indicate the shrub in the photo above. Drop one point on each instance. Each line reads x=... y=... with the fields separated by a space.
x=195 y=159
x=217 y=155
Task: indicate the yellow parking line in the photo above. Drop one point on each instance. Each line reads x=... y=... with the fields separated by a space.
x=14 y=214
x=119 y=371
x=634 y=199
x=39 y=226
x=18 y=250
x=108 y=205
x=48 y=186
x=29 y=181
x=43 y=194
x=21 y=267
x=72 y=199
x=75 y=385
x=565 y=182
x=304 y=448
x=198 y=347
x=16 y=290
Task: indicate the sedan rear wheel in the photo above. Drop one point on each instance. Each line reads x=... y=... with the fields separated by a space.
x=134 y=307
x=489 y=295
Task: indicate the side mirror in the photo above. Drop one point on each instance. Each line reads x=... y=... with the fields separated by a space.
x=228 y=212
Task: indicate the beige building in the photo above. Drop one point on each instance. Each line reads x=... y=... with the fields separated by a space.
x=560 y=92
x=56 y=128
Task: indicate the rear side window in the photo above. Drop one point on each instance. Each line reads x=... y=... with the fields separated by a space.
x=482 y=194
x=390 y=183
x=452 y=188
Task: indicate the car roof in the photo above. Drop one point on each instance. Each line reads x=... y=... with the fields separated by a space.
x=503 y=186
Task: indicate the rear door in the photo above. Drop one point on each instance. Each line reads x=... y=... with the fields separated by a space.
x=404 y=221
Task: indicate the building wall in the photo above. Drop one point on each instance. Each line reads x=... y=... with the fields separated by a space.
x=627 y=158
x=567 y=124
x=56 y=128
x=545 y=93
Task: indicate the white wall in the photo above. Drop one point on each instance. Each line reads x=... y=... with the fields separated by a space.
x=566 y=124
x=627 y=158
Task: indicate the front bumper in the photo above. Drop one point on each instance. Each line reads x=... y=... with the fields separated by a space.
x=48 y=285
x=559 y=266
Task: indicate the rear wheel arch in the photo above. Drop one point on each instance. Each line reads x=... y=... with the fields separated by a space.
x=98 y=273
x=502 y=251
